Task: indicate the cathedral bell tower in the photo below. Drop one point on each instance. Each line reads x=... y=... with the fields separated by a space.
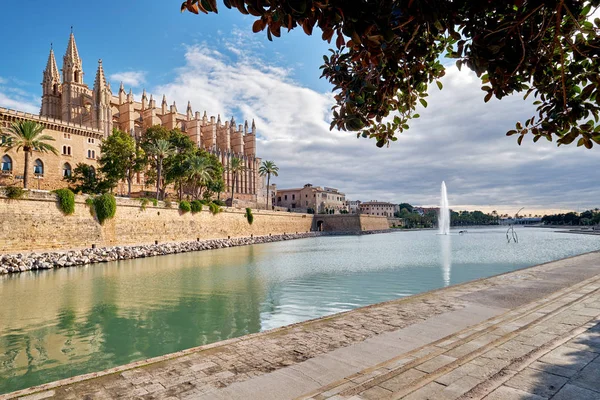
x=101 y=111
x=51 y=89
x=73 y=88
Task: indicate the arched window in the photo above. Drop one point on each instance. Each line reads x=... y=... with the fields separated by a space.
x=55 y=89
x=66 y=170
x=93 y=171
x=38 y=167
x=6 y=163
x=77 y=76
x=64 y=149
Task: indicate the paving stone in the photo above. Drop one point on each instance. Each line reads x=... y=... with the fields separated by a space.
x=537 y=382
x=375 y=393
x=461 y=386
x=588 y=377
x=509 y=350
x=455 y=374
x=553 y=369
x=435 y=363
x=508 y=393
x=539 y=339
x=402 y=380
x=431 y=391
x=572 y=392
x=568 y=358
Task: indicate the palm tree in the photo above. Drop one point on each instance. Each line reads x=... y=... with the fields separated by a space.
x=199 y=170
x=235 y=166
x=161 y=149
x=268 y=168
x=27 y=135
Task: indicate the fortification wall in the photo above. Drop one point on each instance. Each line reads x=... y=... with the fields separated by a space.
x=349 y=223
x=36 y=223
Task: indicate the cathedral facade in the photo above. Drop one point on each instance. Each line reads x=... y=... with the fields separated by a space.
x=79 y=118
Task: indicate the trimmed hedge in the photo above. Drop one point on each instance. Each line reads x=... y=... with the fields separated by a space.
x=185 y=206
x=219 y=202
x=66 y=200
x=249 y=215
x=105 y=206
x=196 y=206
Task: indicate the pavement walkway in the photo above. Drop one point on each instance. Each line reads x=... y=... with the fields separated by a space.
x=529 y=334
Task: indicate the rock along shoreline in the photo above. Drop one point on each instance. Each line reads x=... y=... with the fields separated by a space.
x=32 y=261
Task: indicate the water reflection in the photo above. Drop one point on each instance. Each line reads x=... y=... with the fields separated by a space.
x=446 y=252
x=56 y=324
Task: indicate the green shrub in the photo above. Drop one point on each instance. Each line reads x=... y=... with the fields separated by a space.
x=185 y=206
x=66 y=200
x=204 y=202
x=90 y=203
x=105 y=206
x=214 y=208
x=14 y=192
x=144 y=202
x=196 y=206
x=219 y=202
x=249 y=215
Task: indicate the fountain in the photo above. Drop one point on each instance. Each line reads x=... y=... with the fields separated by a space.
x=444 y=216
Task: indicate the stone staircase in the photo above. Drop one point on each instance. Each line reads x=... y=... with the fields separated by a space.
x=523 y=353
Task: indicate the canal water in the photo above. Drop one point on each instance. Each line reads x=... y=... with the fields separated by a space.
x=60 y=323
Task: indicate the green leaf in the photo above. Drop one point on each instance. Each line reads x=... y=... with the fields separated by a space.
x=439 y=85
x=423 y=102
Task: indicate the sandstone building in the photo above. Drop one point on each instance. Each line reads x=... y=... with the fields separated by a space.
x=320 y=200
x=79 y=118
x=380 y=208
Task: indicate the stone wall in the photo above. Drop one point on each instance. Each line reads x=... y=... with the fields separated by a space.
x=36 y=223
x=349 y=223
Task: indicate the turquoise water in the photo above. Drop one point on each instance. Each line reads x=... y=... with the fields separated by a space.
x=61 y=323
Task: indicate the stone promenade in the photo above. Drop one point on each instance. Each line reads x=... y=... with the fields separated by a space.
x=530 y=334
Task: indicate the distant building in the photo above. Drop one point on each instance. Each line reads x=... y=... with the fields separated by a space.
x=353 y=206
x=320 y=200
x=380 y=208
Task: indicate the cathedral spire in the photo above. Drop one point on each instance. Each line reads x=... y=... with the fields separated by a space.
x=100 y=81
x=51 y=72
x=253 y=127
x=72 y=65
x=72 y=54
x=189 y=111
x=246 y=126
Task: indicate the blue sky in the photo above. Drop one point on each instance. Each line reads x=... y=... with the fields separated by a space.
x=148 y=35
x=220 y=66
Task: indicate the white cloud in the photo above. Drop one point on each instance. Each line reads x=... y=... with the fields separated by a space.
x=459 y=138
x=129 y=78
x=18 y=99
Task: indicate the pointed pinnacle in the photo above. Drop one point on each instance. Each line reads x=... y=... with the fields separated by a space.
x=51 y=70
x=72 y=54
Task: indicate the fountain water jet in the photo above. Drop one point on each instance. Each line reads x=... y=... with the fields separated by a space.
x=444 y=216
